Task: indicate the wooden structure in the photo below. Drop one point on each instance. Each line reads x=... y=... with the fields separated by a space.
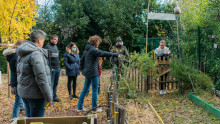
x=165 y=78
x=56 y=120
x=144 y=83
x=115 y=113
x=8 y=69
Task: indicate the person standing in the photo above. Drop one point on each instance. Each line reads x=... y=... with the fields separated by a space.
x=100 y=66
x=120 y=49
x=12 y=59
x=71 y=61
x=163 y=52
x=89 y=66
x=34 y=75
x=54 y=56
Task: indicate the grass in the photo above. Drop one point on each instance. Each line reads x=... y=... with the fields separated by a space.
x=176 y=109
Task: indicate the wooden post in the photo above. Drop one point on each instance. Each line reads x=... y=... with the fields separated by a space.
x=205 y=65
x=135 y=77
x=9 y=88
x=8 y=71
x=121 y=115
x=148 y=9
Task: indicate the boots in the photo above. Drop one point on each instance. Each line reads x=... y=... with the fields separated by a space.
x=75 y=96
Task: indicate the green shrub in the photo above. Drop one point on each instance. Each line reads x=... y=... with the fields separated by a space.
x=127 y=89
x=190 y=76
x=217 y=85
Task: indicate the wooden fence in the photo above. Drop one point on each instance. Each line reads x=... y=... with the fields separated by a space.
x=148 y=82
x=116 y=113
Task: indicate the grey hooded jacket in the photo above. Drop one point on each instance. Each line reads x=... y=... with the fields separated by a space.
x=33 y=72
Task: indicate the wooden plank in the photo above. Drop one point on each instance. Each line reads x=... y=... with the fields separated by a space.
x=6 y=45
x=135 y=76
x=121 y=115
x=165 y=72
x=9 y=77
x=60 y=120
x=141 y=82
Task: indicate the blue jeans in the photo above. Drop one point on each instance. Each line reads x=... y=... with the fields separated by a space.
x=54 y=82
x=34 y=107
x=99 y=90
x=88 y=81
x=18 y=104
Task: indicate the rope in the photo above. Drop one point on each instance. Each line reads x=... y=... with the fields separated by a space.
x=155 y=112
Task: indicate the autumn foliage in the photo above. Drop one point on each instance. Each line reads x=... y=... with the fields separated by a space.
x=16 y=19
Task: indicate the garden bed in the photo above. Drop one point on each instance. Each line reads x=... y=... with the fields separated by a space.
x=174 y=108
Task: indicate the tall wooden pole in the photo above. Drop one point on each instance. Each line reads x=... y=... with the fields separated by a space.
x=148 y=9
x=8 y=71
x=179 y=55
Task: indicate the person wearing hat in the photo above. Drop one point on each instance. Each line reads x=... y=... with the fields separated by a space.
x=120 y=49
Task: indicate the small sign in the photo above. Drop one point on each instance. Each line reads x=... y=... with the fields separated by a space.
x=161 y=16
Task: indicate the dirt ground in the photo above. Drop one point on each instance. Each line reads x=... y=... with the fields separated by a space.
x=135 y=114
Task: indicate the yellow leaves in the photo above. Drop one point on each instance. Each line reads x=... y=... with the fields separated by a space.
x=16 y=19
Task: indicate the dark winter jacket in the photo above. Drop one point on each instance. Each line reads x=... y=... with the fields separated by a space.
x=72 y=64
x=12 y=60
x=90 y=60
x=33 y=72
x=120 y=49
x=54 y=55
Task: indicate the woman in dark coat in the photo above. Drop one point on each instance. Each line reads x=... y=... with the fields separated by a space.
x=89 y=66
x=12 y=60
x=72 y=63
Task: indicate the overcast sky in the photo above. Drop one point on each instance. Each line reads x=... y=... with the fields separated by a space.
x=43 y=2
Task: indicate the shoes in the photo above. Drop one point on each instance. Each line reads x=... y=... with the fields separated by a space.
x=97 y=110
x=71 y=97
x=81 y=110
x=57 y=100
x=75 y=96
x=163 y=92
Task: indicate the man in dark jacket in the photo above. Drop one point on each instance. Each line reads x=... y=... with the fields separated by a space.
x=34 y=75
x=89 y=66
x=120 y=49
x=54 y=56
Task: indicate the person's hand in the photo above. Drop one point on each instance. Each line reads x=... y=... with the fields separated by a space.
x=119 y=56
x=166 y=52
x=50 y=103
x=13 y=90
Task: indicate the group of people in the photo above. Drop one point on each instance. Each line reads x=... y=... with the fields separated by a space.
x=35 y=71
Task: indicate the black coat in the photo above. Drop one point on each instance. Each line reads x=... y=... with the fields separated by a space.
x=89 y=62
x=54 y=55
x=12 y=60
x=72 y=63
